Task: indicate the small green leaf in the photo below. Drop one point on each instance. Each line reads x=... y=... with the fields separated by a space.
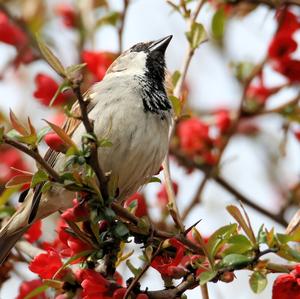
x=39 y=177
x=51 y=58
x=154 y=179
x=176 y=105
x=218 y=24
x=46 y=187
x=111 y=18
x=121 y=230
x=236 y=261
x=19 y=180
x=258 y=282
x=237 y=244
x=144 y=225
x=149 y=253
x=39 y=290
x=1 y=134
x=73 y=69
x=219 y=237
x=237 y=215
x=175 y=77
x=104 y=143
x=206 y=277
x=197 y=35
x=6 y=194
x=135 y=271
x=42 y=133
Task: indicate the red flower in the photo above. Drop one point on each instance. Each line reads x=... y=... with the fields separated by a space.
x=27 y=286
x=46 y=88
x=55 y=143
x=165 y=263
x=10 y=157
x=94 y=285
x=297 y=134
x=223 y=120
x=142 y=296
x=162 y=194
x=119 y=293
x=193 y=135
x=140 y=208
x=97 y=62
x=68 y=14
x=10 y=33
x=78 y=213
x=287 y=286
x=258 y=93
x=46 y=264
x=34 y=232
x=288 y=21
x=290 y=68
x=282 y=46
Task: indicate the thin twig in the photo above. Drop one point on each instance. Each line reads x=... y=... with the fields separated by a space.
x=122 y=25
x=204 y=291
x=35 y=155
x=93 y=160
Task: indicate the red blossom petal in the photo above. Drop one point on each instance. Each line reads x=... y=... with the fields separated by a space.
x=140 y=209
x=55 y=142
x=46 y=264
x=34 y=232
x=97 y=63
x=162 y=194
x=27 y=286
x=282 y=46
x=119 y=293
x=68 y=14
x=286 y=287
x=46 y=88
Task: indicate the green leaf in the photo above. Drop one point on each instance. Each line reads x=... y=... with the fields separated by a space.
x=143 y=225
x=154 y=179
x=258 y=282
x=39 y=290
x=218 y=24
x=135 y=271
x=237 y=244
x=288 y=253
x=121 y=230
x=176 y=105
x=51 y=58
x=39 y=177
x=46 y=187
x=111 y=18
x=237 y=215
x=236 y=261
x=72 y=259
x=104 y=143
x=6 y=194
x=73 y=69
x=1 y=134
x=197 y=35
x=219 y=237
x=175 y=77
x=19 y=180
x=42 y=133
x=206 y=277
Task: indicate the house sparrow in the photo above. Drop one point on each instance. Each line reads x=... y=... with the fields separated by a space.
x=131 y=109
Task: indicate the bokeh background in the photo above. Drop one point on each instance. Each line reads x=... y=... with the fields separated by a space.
x=252 y=164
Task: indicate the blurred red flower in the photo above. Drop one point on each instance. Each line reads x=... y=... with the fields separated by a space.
x=290 y=68
x=162 y=194
x=10 y=157
x=55 y=142
x=34 y=232
x=27 y=286
x=193 y=135
x=140 y=209
x=165 y=262
x=282 y=46
x=223 y=120
x=119 y=293
x=97 y=62
x=68 y=14
x=10 y=33
x=46 y=264
x=46 y=88
x=77 y=213
x=288 y=21
x=94 y=285
x=287 y=286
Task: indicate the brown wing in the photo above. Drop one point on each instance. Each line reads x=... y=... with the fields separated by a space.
x=69 y=127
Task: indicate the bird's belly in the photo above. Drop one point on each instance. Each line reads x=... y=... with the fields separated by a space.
x=139 y=145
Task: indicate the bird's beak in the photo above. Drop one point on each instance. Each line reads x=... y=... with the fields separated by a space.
x=161 y=44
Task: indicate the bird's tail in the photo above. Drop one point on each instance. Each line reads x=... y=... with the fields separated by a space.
x=13 y=230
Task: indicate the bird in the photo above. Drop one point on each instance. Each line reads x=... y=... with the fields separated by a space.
x=130 y=107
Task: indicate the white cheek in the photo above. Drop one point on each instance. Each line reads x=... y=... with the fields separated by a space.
x=135 y=64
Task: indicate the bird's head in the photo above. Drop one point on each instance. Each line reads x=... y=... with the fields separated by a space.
x=143 y=59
